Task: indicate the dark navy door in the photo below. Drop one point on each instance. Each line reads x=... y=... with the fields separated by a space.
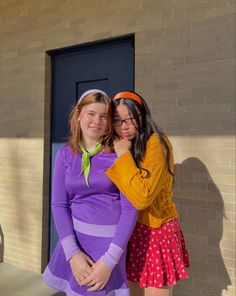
x=107 y=65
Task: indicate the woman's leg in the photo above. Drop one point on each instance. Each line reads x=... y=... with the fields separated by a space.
x=151 y=291
x=135 y=290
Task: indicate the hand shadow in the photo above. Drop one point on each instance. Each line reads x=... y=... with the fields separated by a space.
x=201 y=210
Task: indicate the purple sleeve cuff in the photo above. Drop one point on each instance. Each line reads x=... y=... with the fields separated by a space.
x=112 y=255
x=69 y=246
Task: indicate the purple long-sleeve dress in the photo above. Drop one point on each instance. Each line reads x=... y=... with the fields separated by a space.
x=97 y=220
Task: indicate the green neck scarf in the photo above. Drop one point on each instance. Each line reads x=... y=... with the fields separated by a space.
x=85 y=167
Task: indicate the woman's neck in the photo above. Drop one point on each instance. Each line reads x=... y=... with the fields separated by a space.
x=89 y=144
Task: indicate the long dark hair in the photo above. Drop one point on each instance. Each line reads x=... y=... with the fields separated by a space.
x=146 y=127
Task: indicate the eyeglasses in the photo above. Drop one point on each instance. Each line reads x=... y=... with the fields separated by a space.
x=129 y=121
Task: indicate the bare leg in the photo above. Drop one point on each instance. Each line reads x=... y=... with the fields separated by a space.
x=151 y=291
x=135 y=290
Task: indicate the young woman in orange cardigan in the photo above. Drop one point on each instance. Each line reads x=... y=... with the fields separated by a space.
x=144 y=173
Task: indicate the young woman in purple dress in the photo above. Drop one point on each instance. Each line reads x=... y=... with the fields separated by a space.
x=94 y=220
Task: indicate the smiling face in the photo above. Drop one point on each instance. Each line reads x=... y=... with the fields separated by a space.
x=93 y=121
x=124 y=123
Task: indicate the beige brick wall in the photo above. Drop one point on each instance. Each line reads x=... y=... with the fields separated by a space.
x=184 y=67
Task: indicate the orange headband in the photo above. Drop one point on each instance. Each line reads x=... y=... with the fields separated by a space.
x=128 y=95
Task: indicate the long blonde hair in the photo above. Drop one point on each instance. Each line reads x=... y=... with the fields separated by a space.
x=75 y=129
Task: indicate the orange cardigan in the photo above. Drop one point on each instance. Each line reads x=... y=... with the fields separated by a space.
x=152 y=196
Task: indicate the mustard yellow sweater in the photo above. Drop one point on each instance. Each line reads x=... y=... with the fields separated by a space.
x=152 y=196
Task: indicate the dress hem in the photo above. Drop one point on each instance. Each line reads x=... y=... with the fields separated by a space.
x=64 y=286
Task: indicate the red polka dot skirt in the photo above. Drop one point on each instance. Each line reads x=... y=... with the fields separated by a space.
x=157 y=257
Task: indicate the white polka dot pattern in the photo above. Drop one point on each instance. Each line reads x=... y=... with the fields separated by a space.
x=157 y=257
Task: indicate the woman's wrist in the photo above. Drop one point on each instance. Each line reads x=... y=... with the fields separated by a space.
x=112 y=255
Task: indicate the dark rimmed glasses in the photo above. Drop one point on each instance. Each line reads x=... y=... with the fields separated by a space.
x=128 y=121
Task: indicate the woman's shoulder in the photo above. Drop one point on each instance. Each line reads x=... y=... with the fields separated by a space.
x=156 y=147
x=65 y=148
x=155 y=140
x=65 y=152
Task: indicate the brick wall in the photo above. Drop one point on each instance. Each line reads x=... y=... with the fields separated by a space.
x=184 y=67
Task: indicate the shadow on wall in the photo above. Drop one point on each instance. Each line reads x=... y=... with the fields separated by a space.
x=201 y=210
x=1 y=245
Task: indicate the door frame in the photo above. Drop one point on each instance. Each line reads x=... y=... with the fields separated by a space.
x=49 y=82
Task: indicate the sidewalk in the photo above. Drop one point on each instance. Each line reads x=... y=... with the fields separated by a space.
x=15 y=281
